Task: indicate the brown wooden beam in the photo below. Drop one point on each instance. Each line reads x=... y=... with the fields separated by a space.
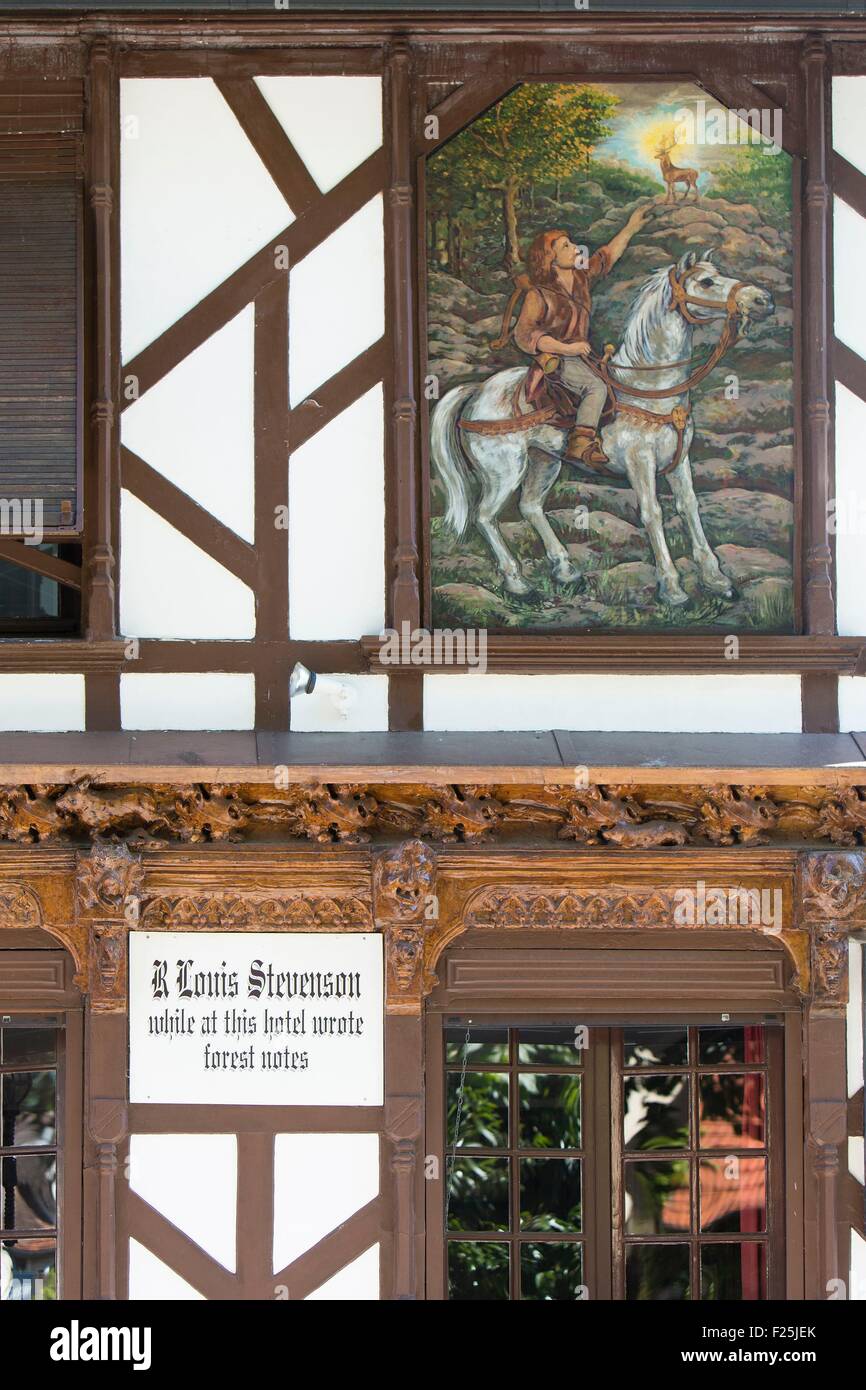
x=270 y=142
x=849 y=183
x=849 y=368
x=186 y=516
x=337 y=394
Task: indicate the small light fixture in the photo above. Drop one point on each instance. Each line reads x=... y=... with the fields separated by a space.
x=303 y=682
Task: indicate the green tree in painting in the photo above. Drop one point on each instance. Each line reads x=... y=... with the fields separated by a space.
x=539 y=132
x=752 y=176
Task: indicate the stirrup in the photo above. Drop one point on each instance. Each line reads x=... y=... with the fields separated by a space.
x=582 y=446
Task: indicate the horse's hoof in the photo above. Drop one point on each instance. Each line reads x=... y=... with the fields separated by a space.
x=565 y=575
x=673 y=597
x=717 y=584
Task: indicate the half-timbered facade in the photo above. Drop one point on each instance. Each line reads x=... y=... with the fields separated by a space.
x=347 y=957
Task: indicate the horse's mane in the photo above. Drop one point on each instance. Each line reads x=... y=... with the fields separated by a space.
x=651 y=302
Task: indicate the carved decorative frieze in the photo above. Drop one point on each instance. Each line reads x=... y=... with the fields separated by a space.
x=621 y=816
x=833 y=887
x=296 y=910
x=615 y=905
x=19 y=906
x=106 y=878
x=830 y=965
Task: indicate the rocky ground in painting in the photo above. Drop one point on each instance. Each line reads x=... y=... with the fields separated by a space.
x=742 y=455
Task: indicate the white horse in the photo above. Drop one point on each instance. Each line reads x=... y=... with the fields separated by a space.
x=658 y=335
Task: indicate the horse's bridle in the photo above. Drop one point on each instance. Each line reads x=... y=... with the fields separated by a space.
x=682 y=298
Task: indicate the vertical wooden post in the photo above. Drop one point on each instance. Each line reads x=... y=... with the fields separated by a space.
x=99 y=565
x=820 y=617
x=405 y=598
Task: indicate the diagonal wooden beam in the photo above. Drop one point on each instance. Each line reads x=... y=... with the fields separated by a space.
x=337 y=1249
x=226 y=301
x=270 y=142
x=849 y=183
x=336 y=394
x=29 y=557
x=849 y=368
x=462 y=107
x=187 y=517
x=146 y=1225
x=738 y=93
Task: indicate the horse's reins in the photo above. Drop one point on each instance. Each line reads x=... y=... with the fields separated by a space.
x=678 y=417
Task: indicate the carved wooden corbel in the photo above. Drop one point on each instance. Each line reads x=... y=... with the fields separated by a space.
x=404 y=905
x=832 y=891
x=108 y=884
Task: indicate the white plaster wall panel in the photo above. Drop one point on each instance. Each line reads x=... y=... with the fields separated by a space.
x=191 y=1180
x=849 y=119
x=336 y=301
x=849 y=282
x=187 y=700
x=849 y=516
x=857 y=1283
x=358 y=1282
x=337 y=526
x=852 y=703
x=334 y=123
x=660 y=704
x=195 y=426
x=855 y=1159
x=187 y=594
x=42 y=704
x=854 y=1017
x=320 y=1180
x=150 y=1277
x=365 y=705
x=196 y=201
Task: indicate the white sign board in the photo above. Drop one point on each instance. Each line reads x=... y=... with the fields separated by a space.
x=256 y=1018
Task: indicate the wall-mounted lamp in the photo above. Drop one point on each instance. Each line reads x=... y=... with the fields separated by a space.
x=303 y=682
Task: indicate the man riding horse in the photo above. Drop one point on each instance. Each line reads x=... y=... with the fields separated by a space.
x=554 y=319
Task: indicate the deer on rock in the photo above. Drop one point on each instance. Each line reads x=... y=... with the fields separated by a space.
x=673 y=175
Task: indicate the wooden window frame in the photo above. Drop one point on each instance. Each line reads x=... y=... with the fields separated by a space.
x=70 y=1097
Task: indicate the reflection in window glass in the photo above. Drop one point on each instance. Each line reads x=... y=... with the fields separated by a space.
x=656 y=1273
x=484 y=1112
x=549 y=1110
x=717 y=1046
x=28 y=1271
x=549 y=1046
x=28 y=1158
x=477 y=1270
x=551 y=1271
x=485 y=1045
x=657 y=1197
x=733 y=1272
x=550 y=1194
x=732 y=1110
x=27 y=1100
x=652 y=1047
x=478 y=1194
x=656 y=1114
x=733 y=1194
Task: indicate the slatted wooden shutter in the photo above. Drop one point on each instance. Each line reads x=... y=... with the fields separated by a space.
x=41 y=134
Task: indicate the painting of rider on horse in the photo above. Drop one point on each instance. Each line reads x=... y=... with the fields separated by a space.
x=609 y=366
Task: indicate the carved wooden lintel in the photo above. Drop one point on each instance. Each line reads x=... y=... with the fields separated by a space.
x=302 y=909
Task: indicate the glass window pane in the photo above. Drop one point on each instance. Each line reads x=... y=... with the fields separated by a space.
x=552 y=1271
x=657 y=1197
x=733 y=1194
x=483 y=1117
x=479 y=1193
x=29 y=1191
x=477 y=1270
x=28 y=1042
x=732 y=1110
x=733 y=1272
x=720 y=1045
x=655 y=1047
x=549 y=1110
x=549 y=1046
x=28 y=1108
x=485 y=1044
x=550 y=1194
x=27 y=1271
x=656 y=1112
x=656 y=1273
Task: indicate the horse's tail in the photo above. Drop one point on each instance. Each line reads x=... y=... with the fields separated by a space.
x=449 y=458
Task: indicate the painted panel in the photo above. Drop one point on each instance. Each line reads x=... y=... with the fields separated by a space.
x=632 y=195
x=663 y=704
